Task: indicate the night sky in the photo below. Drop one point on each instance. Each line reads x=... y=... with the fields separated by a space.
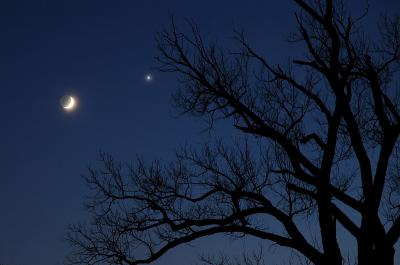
x=100 y=52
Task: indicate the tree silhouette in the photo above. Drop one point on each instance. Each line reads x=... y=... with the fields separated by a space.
x=322 y=145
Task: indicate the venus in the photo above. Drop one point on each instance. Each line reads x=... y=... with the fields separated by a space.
x=148 y=77
x=68 y=103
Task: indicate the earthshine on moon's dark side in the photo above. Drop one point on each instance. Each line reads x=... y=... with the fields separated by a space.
x=68 y=102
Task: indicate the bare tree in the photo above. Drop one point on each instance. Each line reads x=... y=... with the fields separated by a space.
x=322 y=145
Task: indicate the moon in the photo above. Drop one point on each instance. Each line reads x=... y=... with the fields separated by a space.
x=68 y=103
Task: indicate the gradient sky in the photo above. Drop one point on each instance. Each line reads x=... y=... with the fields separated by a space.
x=100 y=51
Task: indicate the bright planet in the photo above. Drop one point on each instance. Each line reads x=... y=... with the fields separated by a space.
x=68 y=103
x=148 y=77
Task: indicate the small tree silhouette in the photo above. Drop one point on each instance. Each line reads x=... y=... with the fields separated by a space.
x=326 y=128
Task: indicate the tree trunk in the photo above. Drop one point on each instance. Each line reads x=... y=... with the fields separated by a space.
x=382 y=255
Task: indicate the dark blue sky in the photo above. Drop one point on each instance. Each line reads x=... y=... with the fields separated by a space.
x=100 y=51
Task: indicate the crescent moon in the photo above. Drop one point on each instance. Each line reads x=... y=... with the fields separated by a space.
x=71 y=103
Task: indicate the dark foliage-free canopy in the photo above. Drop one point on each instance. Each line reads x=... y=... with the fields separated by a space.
x=321 y=144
